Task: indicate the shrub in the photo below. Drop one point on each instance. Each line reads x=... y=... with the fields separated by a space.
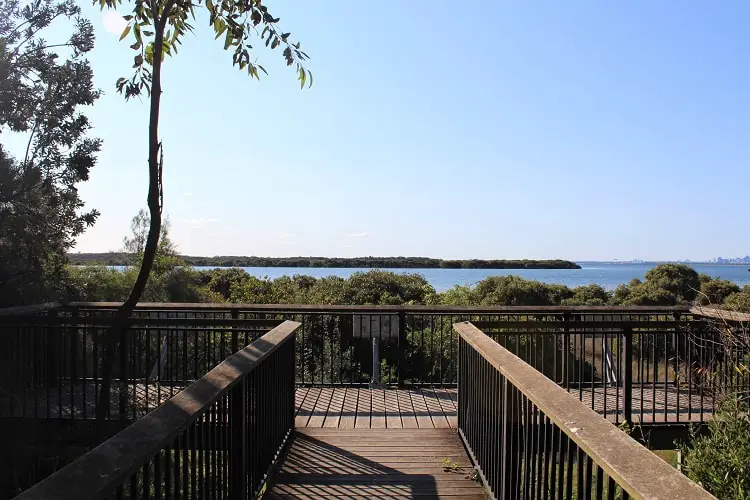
x=720 y=460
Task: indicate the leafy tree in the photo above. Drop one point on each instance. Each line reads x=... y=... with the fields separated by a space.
x=43 y=86
x=739 y=301
x=157 y=28
x=511 y=291
x=459 y=295
x=715 y=291
x=589 y=295
x=383 y=287
x=677 y=279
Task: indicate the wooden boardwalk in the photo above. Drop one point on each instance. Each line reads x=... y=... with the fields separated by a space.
x=355 y=408
x=375 y=463
x=650 y=404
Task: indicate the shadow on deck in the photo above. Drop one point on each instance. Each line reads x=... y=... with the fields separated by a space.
x=380 y=463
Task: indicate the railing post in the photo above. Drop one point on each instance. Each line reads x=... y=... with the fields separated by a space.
x=238 y=428
x=401 y=346
x=627 y=379
x=235 y=342
x=54 y=351
x=565 y=351
x=123 y=391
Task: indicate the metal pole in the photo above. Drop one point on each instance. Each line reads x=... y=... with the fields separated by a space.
x=375 y=382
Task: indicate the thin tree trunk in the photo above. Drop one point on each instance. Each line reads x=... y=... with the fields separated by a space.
x=120 y=326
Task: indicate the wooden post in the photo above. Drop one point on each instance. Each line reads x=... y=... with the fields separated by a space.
x=627 y=379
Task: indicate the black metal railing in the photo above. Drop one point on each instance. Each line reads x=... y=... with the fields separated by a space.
x=635 y=364
x=55 y=358
x=216 y=439
x=529 y=438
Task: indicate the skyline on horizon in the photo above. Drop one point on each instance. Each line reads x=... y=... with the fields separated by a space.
x=586 y=132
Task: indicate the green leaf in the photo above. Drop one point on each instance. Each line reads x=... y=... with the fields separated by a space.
x=302 y=77
x=228 y=40
x=125 y=32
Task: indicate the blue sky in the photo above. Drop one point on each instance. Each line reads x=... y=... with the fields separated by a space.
x=580 y=130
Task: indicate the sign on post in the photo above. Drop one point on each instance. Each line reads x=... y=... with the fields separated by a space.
x=379 y=326
x=375 y=327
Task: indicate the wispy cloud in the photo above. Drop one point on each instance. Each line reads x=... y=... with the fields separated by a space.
x=359 y=235
x=113 y=22
x=187 y=194
x=200 y=222
x=288 y=236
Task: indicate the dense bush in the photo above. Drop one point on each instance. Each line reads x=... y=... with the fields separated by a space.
x=668 y=284
x=720 y=460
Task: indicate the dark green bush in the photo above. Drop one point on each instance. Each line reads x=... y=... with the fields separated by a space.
x=720 y=460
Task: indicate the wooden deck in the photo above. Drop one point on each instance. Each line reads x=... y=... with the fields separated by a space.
x=354 y=408
x=650 y=404
x=375 y=463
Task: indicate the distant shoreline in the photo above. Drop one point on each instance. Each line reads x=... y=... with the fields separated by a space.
x=122 y=259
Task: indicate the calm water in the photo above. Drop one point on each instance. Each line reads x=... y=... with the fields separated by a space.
x=605 y=274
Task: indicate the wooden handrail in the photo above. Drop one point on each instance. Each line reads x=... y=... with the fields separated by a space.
x=391 y=309
x=722 y=314
x=637 y=470
x=99 y=471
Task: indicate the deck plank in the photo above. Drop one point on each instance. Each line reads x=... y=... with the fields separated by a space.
x=392 y=412
x=364 y=406
x=378 y=409
x=379 y=463
x=448 y=407
x=420 y=409
x=349 y=412
x=408 y=418
x=335 y=408
x=434 y=408
x=308 y=405
x=321 y=408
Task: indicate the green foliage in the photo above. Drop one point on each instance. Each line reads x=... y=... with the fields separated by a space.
x=382 y=287
x=678 y=280
x=715 y=291
x=512 y=291
x=339 y=262
x=739 y=301
x=238 y=24
x=374 y=287
x=43 y=87
x=720 y=460
x=589 y=295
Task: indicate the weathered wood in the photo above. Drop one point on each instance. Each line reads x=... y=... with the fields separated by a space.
x=620 y=456
x=405 y=406
x=291 y=308
x=349 y=412
x=436 y=411
x=96 y=473
x=420 y=409
x=392 y=412
x=363 y=409
x=721 y=314
x=351 y=407
x=380 y=463
x=377 y=421
x=319 y=413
